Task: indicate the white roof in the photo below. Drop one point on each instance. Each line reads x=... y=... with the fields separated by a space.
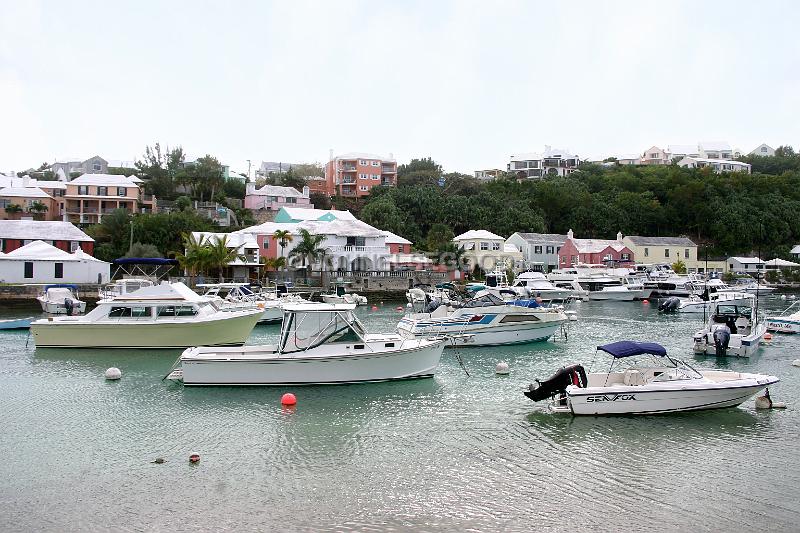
x=746 y=260
x=708 y=160
x=681 y=149
x=474 y=234
x=547 y=153
x=593 y=246
x=277 y=190
x=298 y=213
x=41 y=251
x=796 y=249
x=104 y=179
x=714 y=146
x=781 y=263
x=510 y=248
x=50 y=230
x=234 y=240
x=121 y=163
x=393 y=238
x=409 y=258
x=363 y=155
x=345 y=228
x=27 y=181
x=24 y=192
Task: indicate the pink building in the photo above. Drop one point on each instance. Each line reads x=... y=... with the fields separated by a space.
x=355 y=174
x=593 y=251
x=273 y=197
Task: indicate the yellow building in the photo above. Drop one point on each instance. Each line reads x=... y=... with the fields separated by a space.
x=655 y=250
x=488 y=251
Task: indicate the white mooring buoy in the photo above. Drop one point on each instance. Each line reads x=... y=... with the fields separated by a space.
x=501 y=368
x=113 y=373
x=796 y=362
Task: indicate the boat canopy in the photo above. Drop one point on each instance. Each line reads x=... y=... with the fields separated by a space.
x=61 y=286
x=306 y=326
x=631 y=348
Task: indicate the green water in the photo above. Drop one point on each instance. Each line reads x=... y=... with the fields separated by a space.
x=449 y=453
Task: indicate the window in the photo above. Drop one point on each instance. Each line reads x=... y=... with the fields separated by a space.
x=28 y=269
x=122 y=191
x=363 y=188
x=375 y=163
x=564 y=259
x=266 y=243
x=574 y=258
x=96 y=166
x=550 y=249
x=484 y=245
x=686 y=253
x=362 y=162
x=291 y=200
x=4 y=203
x=763 y=149
x=102 y=191
x=83 y=189
x=129 y=312
x=495 y=246
x=625 y=257
x=646 y=252
x=376 y=176
x=537 y=249
x=666 y=252
x=74 y=245
x=59 y=273
x=608 y=257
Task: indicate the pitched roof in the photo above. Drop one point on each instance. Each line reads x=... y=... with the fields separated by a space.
x=781 y=263
x=554 y=238
x=795 y=249
x=24 y=192
x=104 y=179
x=714 y=146
x=746 y=260
x=298 y=213
x=277 y=190
x=237 y=240
x=594 y=246
x=50 y=230
x=40 y=250
x=345 y=228
x=393 y=238
x=681 y=149
x=478 y=234
x=639 y=240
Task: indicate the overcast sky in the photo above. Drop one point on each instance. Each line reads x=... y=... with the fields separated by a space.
x=468 y=83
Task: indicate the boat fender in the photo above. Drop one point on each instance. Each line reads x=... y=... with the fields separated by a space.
x=68 y=305
x=765 y=402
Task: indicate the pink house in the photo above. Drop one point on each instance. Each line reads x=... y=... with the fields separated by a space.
x=273 y=197
x=593 y=251
x=397 y=244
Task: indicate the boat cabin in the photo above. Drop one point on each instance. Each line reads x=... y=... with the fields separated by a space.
x=306 y=326
x=738 y=318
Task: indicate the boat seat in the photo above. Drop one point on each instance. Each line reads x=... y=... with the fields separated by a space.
x=633 y=377
x=742 y=323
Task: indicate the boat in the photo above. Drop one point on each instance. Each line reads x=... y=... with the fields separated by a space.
x=659 y=385
x=786 y=322
x=636 y=286
x=16 y=323
x=245 y=296
x=319 y=344
x=732 y=330
x=422 y=293
x=59 y=299
x=122 y=286
x=751 y=285
x=706 y=302
x=169 y=315
x=536 y=284
x=602 y=287
x=342 y=296
x=486 y=320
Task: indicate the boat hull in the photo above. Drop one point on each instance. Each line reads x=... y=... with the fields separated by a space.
x=740 y=346
x=412 y=359
x=783 y=325
x=483 y=332
x=226 y=330
x=55 y=308
x=612 y=296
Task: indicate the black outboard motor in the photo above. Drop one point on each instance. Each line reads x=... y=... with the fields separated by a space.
x=68 y=305
x=722 y=337
x=558 y=382
x=670 y=304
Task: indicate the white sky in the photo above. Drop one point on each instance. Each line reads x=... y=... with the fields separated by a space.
x=468 y=83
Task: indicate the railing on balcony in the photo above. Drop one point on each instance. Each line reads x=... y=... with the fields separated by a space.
x=347 y=168
x=389 y=170
x=351 y=248
x=147 y=197
x=90 y=210
x=387 y=182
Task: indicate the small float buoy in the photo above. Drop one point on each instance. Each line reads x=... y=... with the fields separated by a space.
x=408 y=305
x=501 y=368
x=796 y=362
x=113 y=373
x=194 y=458
x=767 y=336
x=374 y=307
x=288 y=399
x=765 y=402
x=381 y=302
x=783 y=296
x=645 y=301
x=571 y=315
x=159 y=461
x=399 y=307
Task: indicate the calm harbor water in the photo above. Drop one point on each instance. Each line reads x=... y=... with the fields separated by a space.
x=456 y=452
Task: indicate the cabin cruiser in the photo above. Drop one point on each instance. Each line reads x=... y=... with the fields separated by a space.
x=536 y=284
x=660 y=384
x=341 y=295
x=169 y=315
x=319 y=344
x=602 y=287
x=751 y=285
x=732 y=330
x=705 y=302
x=244 y=296
x=486 y=320
x=786 y=322
x=422 y=294
x=122 y=286
x=60 y=300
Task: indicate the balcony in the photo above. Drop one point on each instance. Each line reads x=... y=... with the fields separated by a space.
x=363 y=249
x=347 y=168
x=91 y=210
x=348 y=180
x=388 y=170
x=389 y=182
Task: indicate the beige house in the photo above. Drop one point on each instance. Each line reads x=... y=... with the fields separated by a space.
x=488 y=251
x=649 y=250
x=655 y=156
x=91 y=196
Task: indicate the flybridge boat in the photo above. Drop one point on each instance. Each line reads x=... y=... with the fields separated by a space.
x=60 y=300
x=319 y=344
x=786 y=322
x=486 y=320
x=422 y=294
x=732 y=330
x=242 y=296
x=122 y=286
x=659 y=385
x=706 y=302
x=536 y=284
x=161 y=316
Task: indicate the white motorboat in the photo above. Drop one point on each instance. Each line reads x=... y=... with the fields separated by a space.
x=16 y=323
x=750 y=285
x=486 y=320
x=422 y=294
x=732 y=330
x=319 y=344
x=123 y=286
x=342 y=296
x=602 y=287
x=60 y=300
x=786 y=322
x=242 y=296
x=536 y=284
x=660 y=385
x=161 y=316
x=636 y=286
x=706 y=302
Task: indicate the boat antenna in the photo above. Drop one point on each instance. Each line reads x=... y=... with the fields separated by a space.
x=705 y=283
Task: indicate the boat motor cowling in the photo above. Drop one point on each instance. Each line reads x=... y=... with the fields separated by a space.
x=558 y=382
x=68 y=306
x=722 y=338
x=670 y=304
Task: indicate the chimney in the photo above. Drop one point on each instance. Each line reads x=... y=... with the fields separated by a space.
x=306 y=191
x=26 y=181
x=570 y=234
x=250 y=188
x=330 y=154
x=619 y=236
x=391 y=155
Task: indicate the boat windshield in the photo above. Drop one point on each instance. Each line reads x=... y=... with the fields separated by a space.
x=484 y=301
x=304 y=330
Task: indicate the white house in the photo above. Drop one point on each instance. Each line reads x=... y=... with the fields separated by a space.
x=763 y=150
x=715 y=150
x=539 y=250
x=551 y=162
x=748 y=265
x=39 y=262
x=780 y=264
x=245 y=245
x=795 y=251
x=719 y=165
x=487 y=251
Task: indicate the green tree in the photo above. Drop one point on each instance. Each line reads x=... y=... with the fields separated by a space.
x=159 y=168
x=438 y=236
x=679 y=267
x=143 y=250
x=13 y=209
x=308 y=249
x=37 y=207
x=221 y=254
x=183 y=203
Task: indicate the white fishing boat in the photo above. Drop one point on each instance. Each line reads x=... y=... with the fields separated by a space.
x=122 y=286
x=786 y=322
x=706 y=302
x=659 y=385
x=603 y=287
x=244 y=296
x=536 y=284
x=60 y=300
x=161 y=316
x=319 y=344
x=486 y=320
x=732 y=330
x=341 y=295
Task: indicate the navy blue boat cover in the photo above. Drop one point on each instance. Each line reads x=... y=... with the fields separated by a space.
x=631 y=348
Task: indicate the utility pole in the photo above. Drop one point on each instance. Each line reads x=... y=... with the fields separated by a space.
x=248 y=170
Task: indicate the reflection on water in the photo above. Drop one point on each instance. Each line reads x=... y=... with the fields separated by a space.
x=449 y=453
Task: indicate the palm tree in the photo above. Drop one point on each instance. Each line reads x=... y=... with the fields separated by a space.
x=308 y=249
x=220 y=255
x=194 y=257
x=37 y=207
x=13 y=209
x=284 y=237
x=272 y=264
